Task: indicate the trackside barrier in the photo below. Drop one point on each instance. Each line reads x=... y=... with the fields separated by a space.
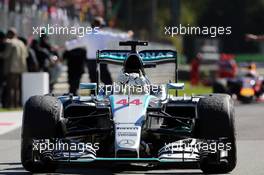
x=34 y=84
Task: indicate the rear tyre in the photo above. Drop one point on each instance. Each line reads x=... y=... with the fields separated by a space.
x=216 y=121
x=41 y=120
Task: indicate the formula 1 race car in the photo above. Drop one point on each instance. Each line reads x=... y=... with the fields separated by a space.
x=245 y=87
x=131 y=122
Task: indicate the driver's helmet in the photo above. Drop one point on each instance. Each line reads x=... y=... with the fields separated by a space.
x=252 y=70
x=133 y=64
x=132 y=79
x=134 y=83
x=252 y=66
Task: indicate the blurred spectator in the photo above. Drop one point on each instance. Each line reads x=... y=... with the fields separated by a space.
x=55 y=70
x=44 y=43
x=5 y=51
x=48 y=61
x=55 y=66
x=16 y=66
x=97 y=41
x=75 y=62
x=32 y=62
x=227 y=66
x=195 y=74
x=42 y=55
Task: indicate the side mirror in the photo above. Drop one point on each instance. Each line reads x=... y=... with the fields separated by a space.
x=177 y=86
x=90 y=86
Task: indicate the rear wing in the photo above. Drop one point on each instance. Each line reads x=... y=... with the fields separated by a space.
x=147 y=56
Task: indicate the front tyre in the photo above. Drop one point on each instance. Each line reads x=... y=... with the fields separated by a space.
x=216 y=121
x=41 y=120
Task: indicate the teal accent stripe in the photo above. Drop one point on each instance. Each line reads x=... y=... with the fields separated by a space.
x=146 y=100
x=111 y=98
x=120 y=159
x=120 y=58
x=112 y=57
x=129 y=159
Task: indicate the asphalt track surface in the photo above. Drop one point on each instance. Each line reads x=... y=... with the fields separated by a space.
x=250 y=142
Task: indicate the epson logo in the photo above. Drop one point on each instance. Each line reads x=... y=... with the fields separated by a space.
x=126 y=134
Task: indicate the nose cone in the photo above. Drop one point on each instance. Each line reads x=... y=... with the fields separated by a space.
x=129 y=115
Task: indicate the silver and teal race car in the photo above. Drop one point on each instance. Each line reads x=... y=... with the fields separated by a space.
x=132 y=121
